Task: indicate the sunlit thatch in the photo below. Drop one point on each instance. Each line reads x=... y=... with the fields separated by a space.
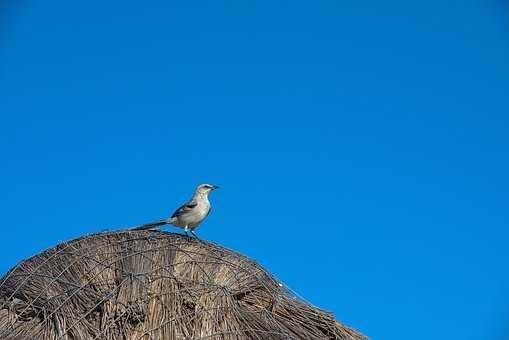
x=153 y=285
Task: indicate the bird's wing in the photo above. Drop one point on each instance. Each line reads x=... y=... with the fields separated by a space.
x=185 y=208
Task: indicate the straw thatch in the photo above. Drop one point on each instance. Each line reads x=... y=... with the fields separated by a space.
x=153 y=285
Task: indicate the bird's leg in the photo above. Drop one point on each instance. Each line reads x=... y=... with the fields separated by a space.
x=186 y=229
x=194 y=234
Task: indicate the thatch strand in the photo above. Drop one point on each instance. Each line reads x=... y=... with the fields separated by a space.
x=148 y=285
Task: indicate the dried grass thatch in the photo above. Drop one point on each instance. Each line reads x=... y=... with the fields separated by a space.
x=153 y=285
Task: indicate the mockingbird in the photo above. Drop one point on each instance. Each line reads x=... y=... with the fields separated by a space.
x=189 y=215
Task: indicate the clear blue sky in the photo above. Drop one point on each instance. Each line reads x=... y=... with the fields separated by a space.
x=361 y=146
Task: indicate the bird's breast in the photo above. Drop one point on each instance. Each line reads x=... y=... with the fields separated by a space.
x=195 y=216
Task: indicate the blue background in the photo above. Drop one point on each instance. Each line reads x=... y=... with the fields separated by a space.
x=361 y=146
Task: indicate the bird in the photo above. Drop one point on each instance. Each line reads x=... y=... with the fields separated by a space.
x=190 y=214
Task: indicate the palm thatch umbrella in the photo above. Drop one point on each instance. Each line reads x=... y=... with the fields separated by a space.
x=141 y=285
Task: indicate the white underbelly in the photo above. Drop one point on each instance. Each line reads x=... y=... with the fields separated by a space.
x=192 y=218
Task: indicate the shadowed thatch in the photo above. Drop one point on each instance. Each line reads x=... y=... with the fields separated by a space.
x=153 y=285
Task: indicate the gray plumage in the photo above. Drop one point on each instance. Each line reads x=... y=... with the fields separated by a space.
x=190 y=214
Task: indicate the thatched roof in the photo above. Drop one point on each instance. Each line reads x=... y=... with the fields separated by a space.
x=153 y=285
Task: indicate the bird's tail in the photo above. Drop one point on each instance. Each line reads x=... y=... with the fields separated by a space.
x=152 y=225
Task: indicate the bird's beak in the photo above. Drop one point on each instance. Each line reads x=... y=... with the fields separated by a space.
x=214 y=187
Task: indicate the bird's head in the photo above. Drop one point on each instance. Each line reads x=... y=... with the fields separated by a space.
x=205 y=189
